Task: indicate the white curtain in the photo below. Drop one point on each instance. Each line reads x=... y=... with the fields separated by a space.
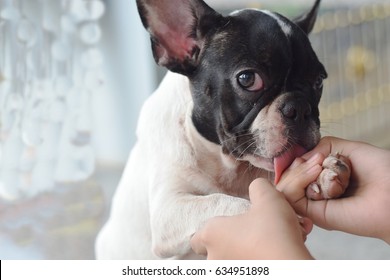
x=73 y=75
x=132 y=79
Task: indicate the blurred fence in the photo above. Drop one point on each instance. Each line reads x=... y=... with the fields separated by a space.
x=354 y=45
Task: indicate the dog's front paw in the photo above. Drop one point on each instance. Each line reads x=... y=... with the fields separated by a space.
x=333 y=180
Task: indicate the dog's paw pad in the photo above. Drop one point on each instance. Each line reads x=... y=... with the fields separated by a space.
x=333 y=180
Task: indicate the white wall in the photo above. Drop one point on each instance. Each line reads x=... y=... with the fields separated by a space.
x=131 y=79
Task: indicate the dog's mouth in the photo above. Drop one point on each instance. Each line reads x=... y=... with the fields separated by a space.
x=280 y=162
x=284 y=160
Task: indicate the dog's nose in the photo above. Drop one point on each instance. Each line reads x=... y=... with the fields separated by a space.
x=296 y=110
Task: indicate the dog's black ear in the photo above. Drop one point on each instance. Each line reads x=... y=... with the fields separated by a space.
x=306 y=21
x=177 y=29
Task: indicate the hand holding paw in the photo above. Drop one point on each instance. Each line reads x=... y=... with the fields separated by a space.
x=333 y=180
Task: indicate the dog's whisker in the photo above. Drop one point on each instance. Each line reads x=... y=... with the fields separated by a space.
x=236 y=136
x=242 y=144
x=248 y=147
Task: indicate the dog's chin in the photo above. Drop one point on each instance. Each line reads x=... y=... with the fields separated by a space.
x=260 y=162
x=277 y=163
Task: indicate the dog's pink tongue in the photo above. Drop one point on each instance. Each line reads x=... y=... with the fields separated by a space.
x=283 y=161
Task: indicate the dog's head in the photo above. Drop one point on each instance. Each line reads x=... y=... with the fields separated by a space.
x=255 y=79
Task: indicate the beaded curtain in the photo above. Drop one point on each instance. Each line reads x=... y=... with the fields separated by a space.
x=50 y=66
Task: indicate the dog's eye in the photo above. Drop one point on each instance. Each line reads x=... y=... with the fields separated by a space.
x=319 y=82
x=250 y=81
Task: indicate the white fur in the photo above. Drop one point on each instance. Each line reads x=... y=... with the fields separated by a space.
x=174 y=181
x=285 y=27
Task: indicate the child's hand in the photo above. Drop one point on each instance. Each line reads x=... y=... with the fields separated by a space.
x=365 y=209
x=269 y=230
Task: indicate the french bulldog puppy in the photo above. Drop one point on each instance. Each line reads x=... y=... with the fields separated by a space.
x=240 y=102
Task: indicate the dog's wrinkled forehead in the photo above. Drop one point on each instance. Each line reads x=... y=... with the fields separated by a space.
x=259 y=35
x=257 y=27
x=284 y=24
x=249 y=37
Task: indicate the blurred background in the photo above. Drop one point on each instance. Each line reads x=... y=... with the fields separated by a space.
x=73 y=76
